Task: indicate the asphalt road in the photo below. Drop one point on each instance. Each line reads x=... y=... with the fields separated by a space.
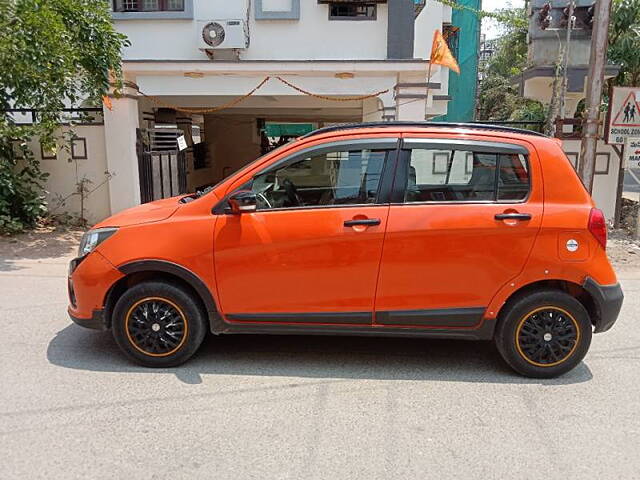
x=302 y=407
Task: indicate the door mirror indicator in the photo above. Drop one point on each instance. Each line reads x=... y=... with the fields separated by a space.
x=243 y=201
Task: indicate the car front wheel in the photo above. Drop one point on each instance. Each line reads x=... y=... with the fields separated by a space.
x=158 y=324
x=544 y=334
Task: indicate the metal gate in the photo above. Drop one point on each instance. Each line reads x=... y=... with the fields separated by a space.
x=162 y=172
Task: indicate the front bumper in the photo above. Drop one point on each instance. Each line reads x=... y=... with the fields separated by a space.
x=90 y=279
x=96 y=322
x=608 y=301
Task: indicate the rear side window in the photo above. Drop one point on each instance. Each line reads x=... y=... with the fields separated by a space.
x=447 y=175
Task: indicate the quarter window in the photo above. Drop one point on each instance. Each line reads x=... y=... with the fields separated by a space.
x=344 y=177
x=458 y=175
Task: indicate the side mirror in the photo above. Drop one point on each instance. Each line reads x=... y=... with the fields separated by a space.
x=243 y=201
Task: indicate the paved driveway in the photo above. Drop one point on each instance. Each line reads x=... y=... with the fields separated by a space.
x=302 y=407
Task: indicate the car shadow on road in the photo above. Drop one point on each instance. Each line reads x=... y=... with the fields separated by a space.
x=364 y=358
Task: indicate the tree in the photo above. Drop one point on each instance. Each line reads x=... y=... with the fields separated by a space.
x=499 y=97
x=624 y=41
x=53 y=53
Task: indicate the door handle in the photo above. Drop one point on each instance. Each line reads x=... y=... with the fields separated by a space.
x=512 y=216
x=364 y=221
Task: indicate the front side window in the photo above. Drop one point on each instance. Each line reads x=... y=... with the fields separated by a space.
x=352 y=11
x=462 y=176
x=342 y=177
x=148 y=5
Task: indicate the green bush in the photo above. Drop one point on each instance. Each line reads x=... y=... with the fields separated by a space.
x=53 y=53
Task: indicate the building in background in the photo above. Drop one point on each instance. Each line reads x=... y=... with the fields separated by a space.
x=548 y=21
x=488 y=48
x=463 y=36
x=182 y=123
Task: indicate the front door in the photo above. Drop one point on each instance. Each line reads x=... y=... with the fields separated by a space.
x=311 y=252
x=463 y=220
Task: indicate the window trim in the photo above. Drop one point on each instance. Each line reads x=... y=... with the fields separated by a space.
x=404 y=157
x=293 y=14
x=383 y=197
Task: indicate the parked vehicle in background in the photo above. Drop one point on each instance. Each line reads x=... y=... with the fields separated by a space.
x=397 y=229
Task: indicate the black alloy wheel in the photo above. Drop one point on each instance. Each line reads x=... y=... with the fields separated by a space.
x=156 y=326
x=547 y=336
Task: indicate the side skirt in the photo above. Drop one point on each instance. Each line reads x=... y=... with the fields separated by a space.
x=483 y=332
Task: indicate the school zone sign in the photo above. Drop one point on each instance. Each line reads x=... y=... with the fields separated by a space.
x=624 y=115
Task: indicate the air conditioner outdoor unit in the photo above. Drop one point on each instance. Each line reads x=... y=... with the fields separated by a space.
x=221 y=34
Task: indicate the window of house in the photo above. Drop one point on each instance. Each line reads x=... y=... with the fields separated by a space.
x=352 y=11
x=343 y=177
x=457 y=175
x=148 y=5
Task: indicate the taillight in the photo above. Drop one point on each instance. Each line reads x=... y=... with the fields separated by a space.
x=598 y=226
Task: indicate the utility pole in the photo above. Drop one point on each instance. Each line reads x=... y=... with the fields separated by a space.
x=567 y=52
x=595 y=80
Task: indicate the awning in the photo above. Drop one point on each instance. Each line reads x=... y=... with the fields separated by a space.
x=287 y=129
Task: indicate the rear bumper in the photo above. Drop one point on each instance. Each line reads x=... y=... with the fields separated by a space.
x=608 y=300
x=96 y=322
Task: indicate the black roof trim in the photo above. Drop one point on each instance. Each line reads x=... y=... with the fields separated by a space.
x=475 y=126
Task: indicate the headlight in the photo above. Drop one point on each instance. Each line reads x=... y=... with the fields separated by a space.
x=93 y=238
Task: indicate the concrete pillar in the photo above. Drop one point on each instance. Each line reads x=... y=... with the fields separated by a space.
x=372 y=110
x=120 y=124
x=400 y=29
x=412 y=98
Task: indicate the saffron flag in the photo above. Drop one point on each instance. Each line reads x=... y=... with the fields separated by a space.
x=440 y=53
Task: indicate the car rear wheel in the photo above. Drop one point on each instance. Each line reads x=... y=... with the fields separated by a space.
x=544 y=334
x=158 y=324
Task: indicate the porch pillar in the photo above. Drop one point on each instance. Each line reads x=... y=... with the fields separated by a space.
x=120 y=124
x=412 y=97
x=372 y=110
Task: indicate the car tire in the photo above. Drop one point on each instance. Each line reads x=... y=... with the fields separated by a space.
x=543 y=334
x=158 y=324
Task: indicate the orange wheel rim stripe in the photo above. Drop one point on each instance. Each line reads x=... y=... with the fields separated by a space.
x=533 y=312
x=178 y=309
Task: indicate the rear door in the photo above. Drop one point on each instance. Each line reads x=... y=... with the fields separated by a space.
x=463 y=220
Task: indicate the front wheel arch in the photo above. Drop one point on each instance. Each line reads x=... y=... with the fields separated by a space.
x=144 y=270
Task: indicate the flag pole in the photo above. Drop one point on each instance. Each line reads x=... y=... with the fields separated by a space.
x=429 y=78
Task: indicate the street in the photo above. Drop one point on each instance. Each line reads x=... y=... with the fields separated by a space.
x=301 y=407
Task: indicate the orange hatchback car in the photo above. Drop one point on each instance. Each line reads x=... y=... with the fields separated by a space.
x=428 y=230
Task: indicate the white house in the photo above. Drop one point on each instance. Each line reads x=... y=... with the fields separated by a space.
x=189 y=58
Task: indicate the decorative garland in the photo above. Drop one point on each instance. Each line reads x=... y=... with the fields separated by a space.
x=235 y=101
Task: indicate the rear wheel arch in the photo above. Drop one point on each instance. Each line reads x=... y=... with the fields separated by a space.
x=574 y=289
x=159 y=270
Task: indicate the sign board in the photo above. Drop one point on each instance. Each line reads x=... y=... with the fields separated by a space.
x=624 y=115
x=182 y=143
x=195 y=134
x=631 y=153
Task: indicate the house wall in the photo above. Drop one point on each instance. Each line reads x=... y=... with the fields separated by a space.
x=605 y=180
x=430 y=19
x=65 y=172
x=311 y=37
